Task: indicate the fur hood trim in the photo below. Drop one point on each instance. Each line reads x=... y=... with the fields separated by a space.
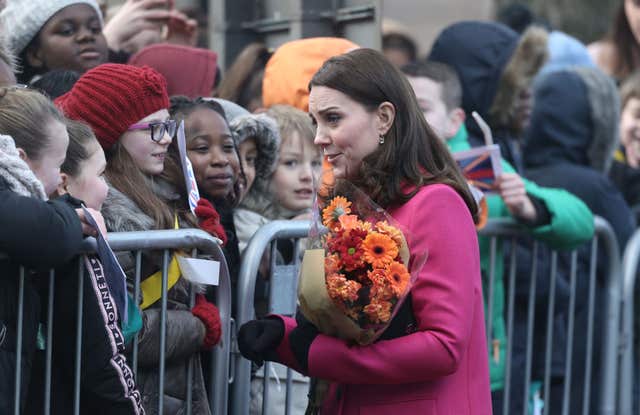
x=265 y=131
x=605 y=113
x=527 y=59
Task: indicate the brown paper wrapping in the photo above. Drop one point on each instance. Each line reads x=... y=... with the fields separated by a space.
x=319 y=308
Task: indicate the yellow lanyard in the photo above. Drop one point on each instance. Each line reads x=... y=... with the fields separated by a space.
x=152 y=286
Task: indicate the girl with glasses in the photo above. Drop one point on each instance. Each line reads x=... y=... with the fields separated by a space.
x=127 y=108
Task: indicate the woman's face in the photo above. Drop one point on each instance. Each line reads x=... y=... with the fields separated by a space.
x=89 y=185
x=147 y=154
x=212 y=153
x=72 y=39
x=47 y=167
x=346 y=131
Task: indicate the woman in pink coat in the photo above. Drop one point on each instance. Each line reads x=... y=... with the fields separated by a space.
x=433 y=358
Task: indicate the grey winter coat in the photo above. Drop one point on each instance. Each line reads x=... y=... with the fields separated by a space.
x=185 y=332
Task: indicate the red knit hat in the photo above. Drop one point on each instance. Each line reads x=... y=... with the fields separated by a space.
x=112 y=97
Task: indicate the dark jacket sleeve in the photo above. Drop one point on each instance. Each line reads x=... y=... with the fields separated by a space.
x=36 y=233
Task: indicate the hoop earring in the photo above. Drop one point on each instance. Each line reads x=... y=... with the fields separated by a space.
x=381 y=140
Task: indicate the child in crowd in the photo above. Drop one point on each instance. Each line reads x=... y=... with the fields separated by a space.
x=29 y=170
x=551 y=215
x=216 y=165
x=625 y=169
x=288 y=192
x=127 y=108
x=106 y=380
x=258 y=139
x=59 y=34
x=284 y=191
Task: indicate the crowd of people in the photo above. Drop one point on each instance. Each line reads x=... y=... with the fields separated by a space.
x=90 y=103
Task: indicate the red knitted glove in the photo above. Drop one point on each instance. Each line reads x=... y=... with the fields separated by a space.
x=210 y=219
x=210 y=317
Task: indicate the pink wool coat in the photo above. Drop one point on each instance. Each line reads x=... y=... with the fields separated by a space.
x=442 y=368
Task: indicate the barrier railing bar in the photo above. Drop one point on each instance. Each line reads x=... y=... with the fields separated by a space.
x=549 y=339
x=136 y=295
x=78 y=362
x=490 y=295
x=630 y=267
x=531 y=308
x=613 y=292
x=246 y=285
x=589 y=355
x=163 y=330
x=19 y=330
x=566 y=396
x=49 y=346
x=510 y=308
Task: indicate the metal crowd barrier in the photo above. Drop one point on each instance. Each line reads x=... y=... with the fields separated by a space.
x=262 y=241
x=629 y=361
x=199 y=242
x=510 y=233
x=499 y=231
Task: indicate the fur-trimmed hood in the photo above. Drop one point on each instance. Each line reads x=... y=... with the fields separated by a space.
x=265 y=131
x=261 y=127
x=575 y=120
x=493 y=63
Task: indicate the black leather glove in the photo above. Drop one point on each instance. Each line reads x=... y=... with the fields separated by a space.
x=300 y=340
x=258 y=339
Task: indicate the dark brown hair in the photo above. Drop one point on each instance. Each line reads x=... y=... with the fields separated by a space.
x=412 y=154
x=627 y=50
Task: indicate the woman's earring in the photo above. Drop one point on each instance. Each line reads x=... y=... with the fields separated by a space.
x=381 y=140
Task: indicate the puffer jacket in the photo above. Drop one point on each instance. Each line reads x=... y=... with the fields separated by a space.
x=185 y=332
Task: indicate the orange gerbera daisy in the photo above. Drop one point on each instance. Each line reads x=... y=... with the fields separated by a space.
x=349 y=222
x=398 y=276
x=379 y=249
x=393 y=232
x=339 y=206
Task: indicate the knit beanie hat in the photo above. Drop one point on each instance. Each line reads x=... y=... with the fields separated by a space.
x=292 y=65
x=23 y=19
x=112 y=97
x=171 y=61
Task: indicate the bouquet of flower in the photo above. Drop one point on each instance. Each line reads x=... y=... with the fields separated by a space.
x=352 y=285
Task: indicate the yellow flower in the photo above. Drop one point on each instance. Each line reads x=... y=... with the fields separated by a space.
x=379 y=249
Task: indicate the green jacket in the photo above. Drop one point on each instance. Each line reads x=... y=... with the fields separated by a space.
x=571 y=225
